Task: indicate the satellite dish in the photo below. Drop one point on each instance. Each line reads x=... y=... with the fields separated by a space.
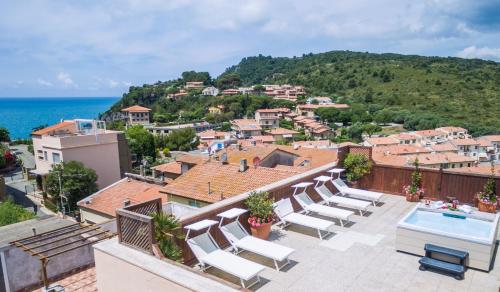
x=256 y=161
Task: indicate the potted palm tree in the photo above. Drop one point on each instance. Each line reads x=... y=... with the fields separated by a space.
x=414 y=191
x=261 y=214
x=357 y=165
x=487 y=198
x=167 y=231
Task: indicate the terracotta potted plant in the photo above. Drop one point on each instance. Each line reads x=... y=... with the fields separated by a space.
x=356 y=165
x=261 y=214
x=414 y=192
x=487 y=199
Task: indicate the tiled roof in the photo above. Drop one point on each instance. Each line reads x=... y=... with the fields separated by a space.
x=171 y=167
x=109 y=199
x=274 y=110
x=316 y=106
x=451 y=129
x=464 y=142
x=191 y=159
x=82 y=281
x=264 y=138
x=401 y=149
x=484 y=143
x=443 y=147
x=212 y=181
x=428 y=133
x=247 y=124
x=55 y=127
x=484 y=170
x=282 y=131
x=405 y=136
x=212 y=133
x=136 y=108
x=382 y=141
x=492 y=138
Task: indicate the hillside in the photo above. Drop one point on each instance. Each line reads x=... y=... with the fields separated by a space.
x=451 y=90
x=421 y=92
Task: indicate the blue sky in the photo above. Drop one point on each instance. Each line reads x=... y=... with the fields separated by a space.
x=100 y=48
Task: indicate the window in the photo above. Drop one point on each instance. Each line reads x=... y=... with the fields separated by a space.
x=56 y=157
x=468 y=164
x=45 y=156
x=193 y=203
x=461 y=164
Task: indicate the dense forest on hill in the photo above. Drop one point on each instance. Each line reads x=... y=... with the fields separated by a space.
x=421 y=92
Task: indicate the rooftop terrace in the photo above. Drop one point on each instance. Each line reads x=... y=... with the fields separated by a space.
x=361 y=257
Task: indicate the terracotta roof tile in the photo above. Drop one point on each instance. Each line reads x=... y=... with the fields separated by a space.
x=224 y=181
x=136 y=108
x=316 y=106
x=65 y=124
x=112 y=197
x=492 y=138
x=464 y=142
x=282 y=131
x=382 y=141
x=446 y=147
x=171 y=167
x=191 y=159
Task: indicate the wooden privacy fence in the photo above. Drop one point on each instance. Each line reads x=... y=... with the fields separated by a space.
x=135 y=226
x=437 y=183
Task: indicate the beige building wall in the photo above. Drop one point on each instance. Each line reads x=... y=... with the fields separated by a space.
x=121 y=268
x=186 y=201
x=91 y=216
x=100 y=152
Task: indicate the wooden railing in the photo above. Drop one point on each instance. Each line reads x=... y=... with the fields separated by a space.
x=135 y=226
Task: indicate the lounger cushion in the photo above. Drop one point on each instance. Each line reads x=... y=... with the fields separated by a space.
x=325 y=193
x=232 y=264
x=330 y=211
x=308 y=221
x=264 y=248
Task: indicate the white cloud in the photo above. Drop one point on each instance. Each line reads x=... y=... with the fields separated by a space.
x=43 y=82
x=112 y=83
x=480 y=53
x=65 y=79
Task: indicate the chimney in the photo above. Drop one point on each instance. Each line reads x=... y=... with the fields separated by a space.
x=126 y=203
x=254 y=143
x=243 y=165
x=209 y=190
x=184 y=167
x=141 y=170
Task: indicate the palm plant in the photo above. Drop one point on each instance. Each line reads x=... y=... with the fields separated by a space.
x=167 y=231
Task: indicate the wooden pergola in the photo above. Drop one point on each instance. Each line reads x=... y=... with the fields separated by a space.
x=52 y=243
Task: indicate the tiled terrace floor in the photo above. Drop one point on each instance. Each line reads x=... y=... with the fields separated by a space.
x=83 y=281
x=364 y=260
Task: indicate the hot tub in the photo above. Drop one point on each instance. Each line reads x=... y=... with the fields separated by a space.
x=475 y=232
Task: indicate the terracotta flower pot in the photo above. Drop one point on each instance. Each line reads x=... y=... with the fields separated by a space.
x=412 y=197
x=487 y=207
x=262 y=231
x=354 y=184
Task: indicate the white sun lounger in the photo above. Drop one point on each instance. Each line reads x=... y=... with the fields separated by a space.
x=374 y=197
x=239 y=238
x=209 y=253
x=329 y=197
x=284 y=211
x=310 y=206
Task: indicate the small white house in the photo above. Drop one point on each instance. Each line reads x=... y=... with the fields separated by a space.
x=210 y=91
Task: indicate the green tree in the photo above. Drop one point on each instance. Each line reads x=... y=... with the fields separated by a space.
x=371 y=129
x=355 y=132
x=74 y=180
x=182 y=140
x=229 y=80
x=383 y=117
x=259 y=88
x=4 y=135
x=286 y=124
x=167 y=231
x=329 y=114
x=197 y=76
x=140 y=141
x=356 y=165
x=11 y=213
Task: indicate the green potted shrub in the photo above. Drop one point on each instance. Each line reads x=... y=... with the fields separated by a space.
x=357 y=165
x=167 y=231
x=487 y=198
x=261 y=214
x=414 y=191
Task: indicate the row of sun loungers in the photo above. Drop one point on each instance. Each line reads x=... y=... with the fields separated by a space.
x=208 y=252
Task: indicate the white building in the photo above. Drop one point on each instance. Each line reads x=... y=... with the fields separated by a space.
x=210 y=91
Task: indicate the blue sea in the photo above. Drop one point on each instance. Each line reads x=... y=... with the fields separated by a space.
x=21 y=115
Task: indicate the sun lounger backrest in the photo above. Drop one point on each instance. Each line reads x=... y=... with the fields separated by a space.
x=324 y=192
x=202 y=245
x=283 y=207
x=340 y=183
x=303 y=199
x=234 y=231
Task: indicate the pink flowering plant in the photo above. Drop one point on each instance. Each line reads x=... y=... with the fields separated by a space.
x=414 y=191
x=488 y=195
x=261 y=208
